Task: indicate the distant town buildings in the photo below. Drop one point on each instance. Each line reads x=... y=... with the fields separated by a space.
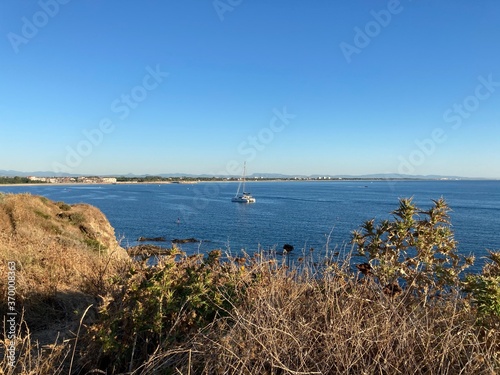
x=74 y=180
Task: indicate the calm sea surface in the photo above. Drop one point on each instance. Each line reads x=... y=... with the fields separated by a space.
x=304 y=214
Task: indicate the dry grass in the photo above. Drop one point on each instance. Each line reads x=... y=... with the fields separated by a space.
x=335 y=325
x=35 y=358
x=296 y=322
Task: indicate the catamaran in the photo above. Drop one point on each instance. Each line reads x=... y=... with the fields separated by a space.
x=244 y=197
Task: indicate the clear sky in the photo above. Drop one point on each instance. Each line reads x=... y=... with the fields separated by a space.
x=294 y=87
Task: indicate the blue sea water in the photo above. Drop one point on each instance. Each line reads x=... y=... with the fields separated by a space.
x=303 y=214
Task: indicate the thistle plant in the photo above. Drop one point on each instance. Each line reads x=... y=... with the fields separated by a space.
x=417 y=248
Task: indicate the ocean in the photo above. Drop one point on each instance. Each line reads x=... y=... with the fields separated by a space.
x=304 y=214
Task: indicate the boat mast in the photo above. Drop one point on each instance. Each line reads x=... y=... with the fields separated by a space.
x=244 y=173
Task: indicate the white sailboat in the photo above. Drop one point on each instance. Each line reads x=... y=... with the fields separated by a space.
x=244 y=197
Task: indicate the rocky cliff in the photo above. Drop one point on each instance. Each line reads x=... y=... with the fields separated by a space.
x=64 y=257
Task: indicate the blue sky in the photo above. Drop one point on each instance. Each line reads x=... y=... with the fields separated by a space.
x=295 y=87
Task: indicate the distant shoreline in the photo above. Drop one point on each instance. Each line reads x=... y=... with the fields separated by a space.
x=236 y=181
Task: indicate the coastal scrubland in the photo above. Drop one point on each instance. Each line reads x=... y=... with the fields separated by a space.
x=400 y=301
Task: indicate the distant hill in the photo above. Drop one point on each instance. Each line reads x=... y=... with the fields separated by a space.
x=11 y=173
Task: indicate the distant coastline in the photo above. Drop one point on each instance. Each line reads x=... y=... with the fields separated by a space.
x=13 y=181
x=19 y=177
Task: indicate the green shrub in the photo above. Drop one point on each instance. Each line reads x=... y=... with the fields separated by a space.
x=77 y=218
x=63 y=206
x=485 y=291
x=158 y=306
x=94 y=244
x=42 y=214
x=416 y=248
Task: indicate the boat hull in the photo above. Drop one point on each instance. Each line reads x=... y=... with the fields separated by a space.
x=243 y=199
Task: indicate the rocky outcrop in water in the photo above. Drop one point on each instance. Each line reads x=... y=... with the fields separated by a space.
x=152 y=239
x=184 y=240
